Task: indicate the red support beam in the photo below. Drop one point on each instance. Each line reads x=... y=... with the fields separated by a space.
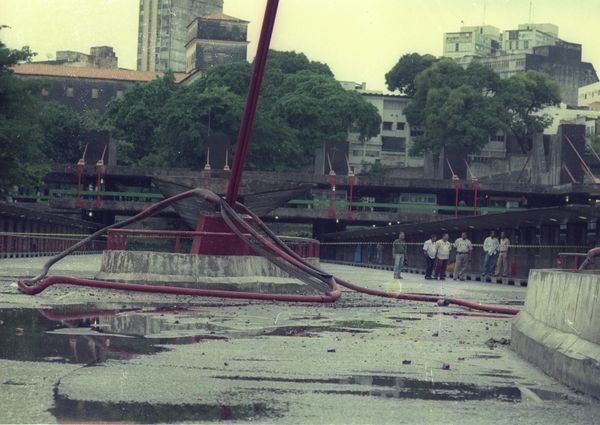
x=258 y=71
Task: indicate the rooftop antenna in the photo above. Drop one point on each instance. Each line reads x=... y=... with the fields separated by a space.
x=530 y=13
x=484 y=10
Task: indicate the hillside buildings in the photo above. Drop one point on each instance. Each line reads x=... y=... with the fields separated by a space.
x=589 y=96
x=531 y=47
x=392 y=146
x=162 y=32
x=214 y=40
x=85 y=82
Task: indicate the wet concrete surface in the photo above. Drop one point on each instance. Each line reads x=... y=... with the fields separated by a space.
x=89 y=355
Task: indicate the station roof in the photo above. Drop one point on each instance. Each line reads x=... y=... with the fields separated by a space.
x=507 y=220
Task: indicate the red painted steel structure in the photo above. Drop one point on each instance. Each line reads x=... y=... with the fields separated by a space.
x=331 y=210
x=100 y=169
x=258 y=71
x=79 y=169
x=351 y=183
x=476 y=186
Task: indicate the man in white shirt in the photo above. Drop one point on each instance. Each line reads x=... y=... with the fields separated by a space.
x=463 y=253
x=502 y=263
x=442 y=254
x=490 y=247
x=429 y=250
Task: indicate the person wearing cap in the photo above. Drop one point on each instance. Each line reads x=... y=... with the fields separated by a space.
x=463 y=248
x=430 y=251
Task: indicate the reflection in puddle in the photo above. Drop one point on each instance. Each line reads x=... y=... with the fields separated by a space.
x=77 y=411
x=400 y=387
x=76 y=336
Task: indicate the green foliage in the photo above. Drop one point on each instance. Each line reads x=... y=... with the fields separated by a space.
x=596 y=143
x=301 y=107
x=462 y=107
x=375 y=169
x=402 y=75
x=21 y=161
x=524 y=95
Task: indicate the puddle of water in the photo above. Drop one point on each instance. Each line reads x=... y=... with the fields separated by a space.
x=77 y=411
x=401 y=388
x=75 y=335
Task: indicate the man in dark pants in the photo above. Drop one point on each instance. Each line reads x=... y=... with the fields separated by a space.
x=443 y=254
x=429 y=249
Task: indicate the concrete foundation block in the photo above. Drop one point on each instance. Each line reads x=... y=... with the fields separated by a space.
x=246 y=273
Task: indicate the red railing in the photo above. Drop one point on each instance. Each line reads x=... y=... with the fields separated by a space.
x=28 y=244
x=117 y=239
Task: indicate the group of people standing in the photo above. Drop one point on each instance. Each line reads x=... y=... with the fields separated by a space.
x=437 y=254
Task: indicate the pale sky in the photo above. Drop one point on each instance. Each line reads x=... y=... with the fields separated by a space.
x=359 y=39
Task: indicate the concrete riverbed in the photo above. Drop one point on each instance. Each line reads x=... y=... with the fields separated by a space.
x=89 y=355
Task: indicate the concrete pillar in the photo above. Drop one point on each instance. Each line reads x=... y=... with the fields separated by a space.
x=2 y=237
x=10 y=242
x=526 y=258
x=35 y=240
x=550 y=234
x=27 y=240
x=18 y=239
x=577 y=234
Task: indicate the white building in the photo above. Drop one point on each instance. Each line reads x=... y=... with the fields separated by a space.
x=528 y=36
x=589 y=96
x=563 y=115
x=391 y=146
x=472 y=41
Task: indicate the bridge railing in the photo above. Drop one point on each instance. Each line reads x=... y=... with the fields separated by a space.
x=27 y=244
x=180 y=241
x=317 y=204
x=573 y=260
x=358 y=206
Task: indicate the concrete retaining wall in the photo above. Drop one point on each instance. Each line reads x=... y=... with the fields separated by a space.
x=559 y=327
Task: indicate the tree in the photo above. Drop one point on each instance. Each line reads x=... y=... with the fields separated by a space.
x=21 y=161
x=136 y=116
x=461 y=108
x=458 y=107
x=525 y=95
x=301 y=107
x=402 y=76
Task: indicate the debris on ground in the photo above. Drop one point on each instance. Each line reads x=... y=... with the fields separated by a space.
x=493 y=342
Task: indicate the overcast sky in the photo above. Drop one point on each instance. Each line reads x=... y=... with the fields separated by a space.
x=359 y=39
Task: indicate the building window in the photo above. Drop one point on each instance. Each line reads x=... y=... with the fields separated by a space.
x=456 y=47
x=387 y=125
x=45 y=92
x=416 y=132
x=373 y=154
x=94 y=93
x=393 y=144
x=526 y=44
x=400 y=125
x=356 y=153
x=497 y=138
